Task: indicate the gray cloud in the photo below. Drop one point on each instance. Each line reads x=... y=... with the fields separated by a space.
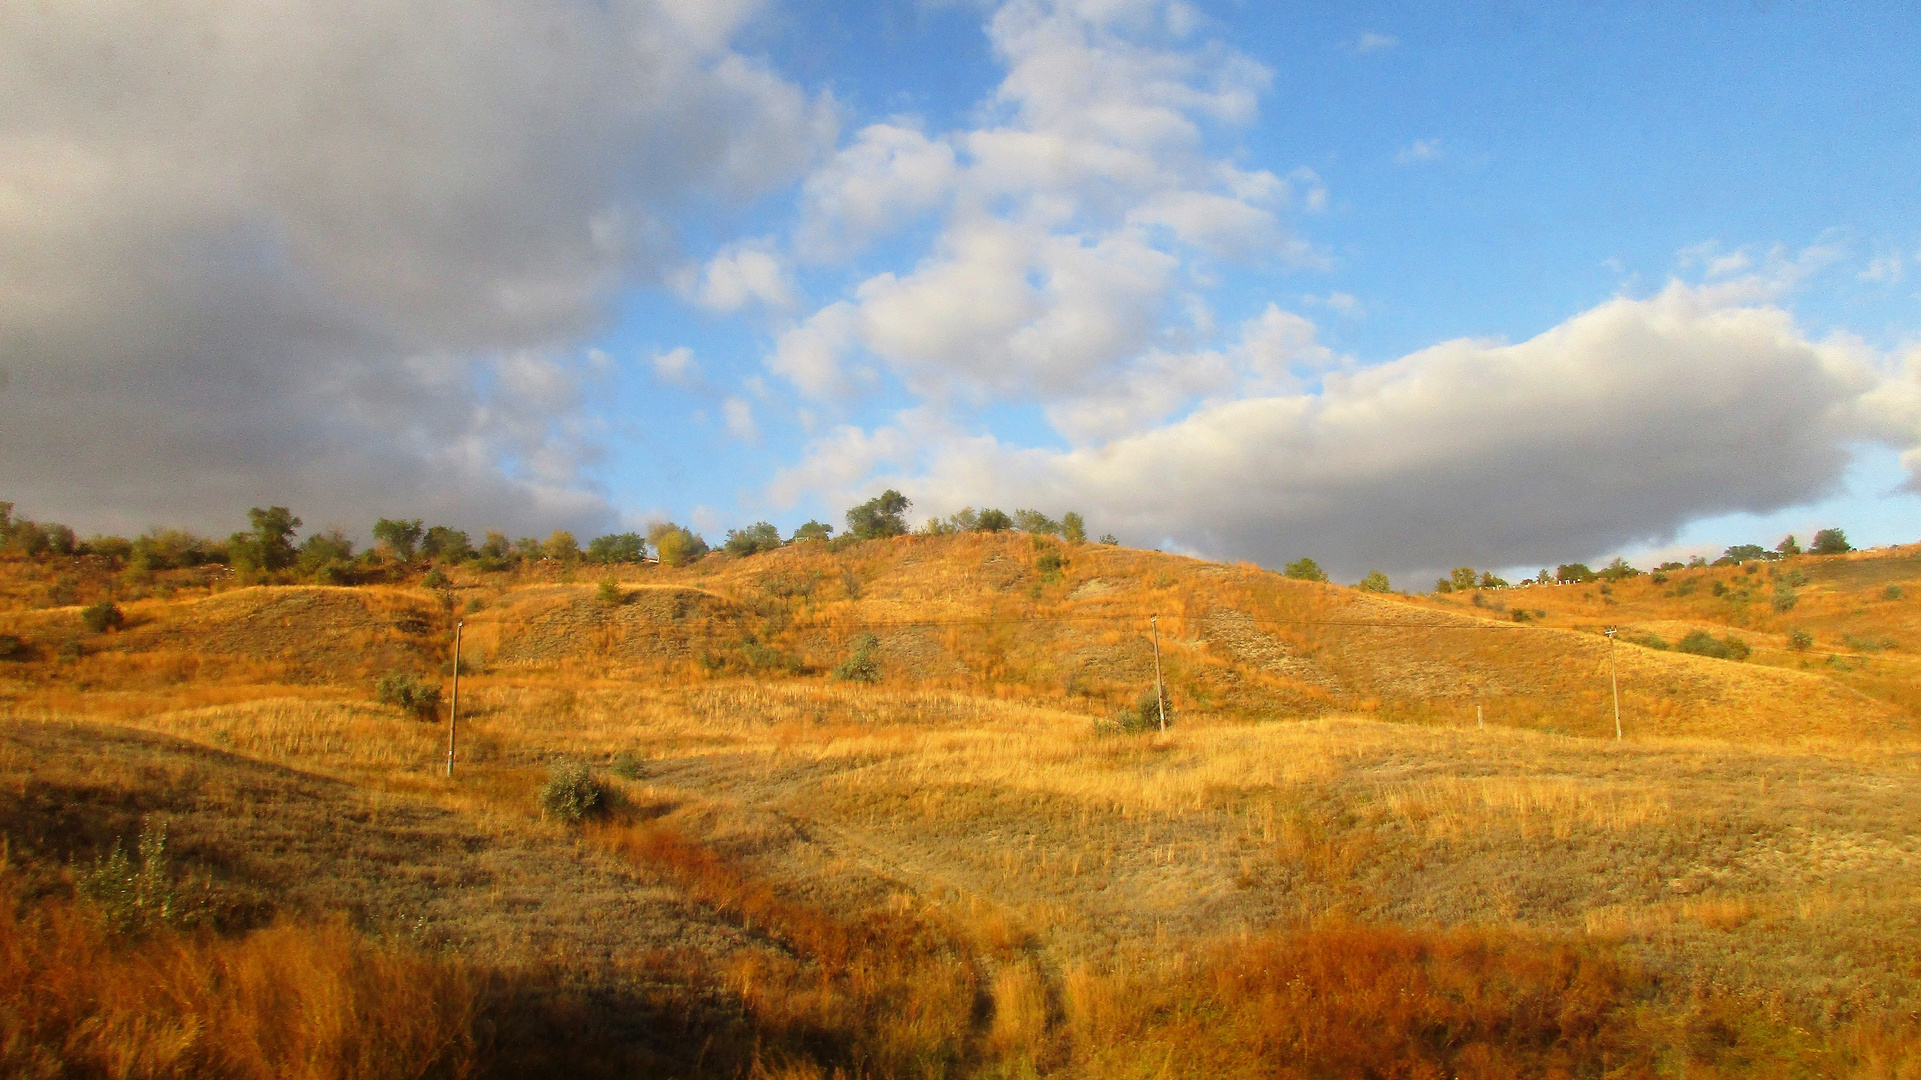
x=337 y=255
x=1619 y=426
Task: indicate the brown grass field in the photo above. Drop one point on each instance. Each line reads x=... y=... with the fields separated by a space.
x=1384 y=836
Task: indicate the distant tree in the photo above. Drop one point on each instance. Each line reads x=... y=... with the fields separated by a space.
x=409 y=694
x=993 y=521
x=1490 y=580
x=530 y=549
x=269 y=544
x=6 y=521
x=1443 y=585
x=1788 y=547
x=752 y=540
x=1669 y=565
x=1463 y=578
x=1033 y=521
x=1800 y=640
x=882 y=515
x=27 y=537
x=327 y=556
x=496 y=548
x=447 y=545
x=814 y=530
x=561 y=547
x=617 y=548
x=862 y=663
x=1618 y=570
x=1830 y=542
x=1741 y=553
x=675 y=545
x=1573 y=574
x=1701 y=643
x=1110 y=539
x=1305 y=569
x=60 y=539
x=1073 y=528
x=398 y=537
x=1696 y=562
x=1375 y=581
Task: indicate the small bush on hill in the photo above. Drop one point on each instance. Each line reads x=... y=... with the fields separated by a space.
x=409 y=694
x=1110 y=540
x=1892 y=592
x=13 y=647
x=1073 y=528
x=993 y=521
x=1702 y=643
x=754 y=539
x=1800 y=640
x=1050 y=564
x=628 y=766
x=137 y=895
x=1305 y=569
x=1145 y=714
x=435 y=579
x=571 y=793
x=862 y=663
x=1375 y=581
x=103 y=616
x=1573 y=574
x=609 y=593
x=814 y=530
x=882 y=515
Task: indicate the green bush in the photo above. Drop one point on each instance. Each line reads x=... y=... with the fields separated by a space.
x=435 y=579
x=1145 y=714
x=609 y=593
x=628 y=766
x=1892 y=592
x=1305 y=569
x=1830 y=542
x=409 y=695
x=1050 y=564
x=103 y=616
x=135 y=896
x=883 y=515
x=13 y=647
x=1800 y=640
x=861 y=665
x=571 y=793
x=1702 y=643
x=1375 y=581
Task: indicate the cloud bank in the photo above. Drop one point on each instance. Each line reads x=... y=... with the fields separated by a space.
x=337 y=255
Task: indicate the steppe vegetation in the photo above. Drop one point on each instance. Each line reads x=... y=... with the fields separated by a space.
x=890 y=805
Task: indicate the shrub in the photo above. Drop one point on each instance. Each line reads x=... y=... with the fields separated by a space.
x=1145 y=714
x=814 y=530
x=754 y=539
x=135 y=897
x=993 y=521
x=675 y=545
x=13 y=647
x=409 y=694
x=1033 y=521
x=1305 y=569
x=561 y=547
x=1800 y=640
x=1830 y=542
x=447 y=544
x=103 y=616
x=628 y=766
x=1573 y=574
x=609 y=593
x=1701 y=643
x=1784 y=599
x=1375 y=581
x=861 y=665
x=1110 y=540
x=399 y=537
x=1050 y=565
x=435 y=579
x=1892 y=592
x=1073 y=528
x=571 y=793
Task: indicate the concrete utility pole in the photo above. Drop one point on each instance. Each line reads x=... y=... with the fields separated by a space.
x=453 y=711
x=1614 y=684
x=1160 y=698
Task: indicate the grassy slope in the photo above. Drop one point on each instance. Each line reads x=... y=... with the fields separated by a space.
x=1753 y=838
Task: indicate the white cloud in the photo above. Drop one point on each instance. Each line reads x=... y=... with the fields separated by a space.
x=739 y=417
x=1419 y=150
x=1340 y=303
x=1370 y=41
x=1885 y=270
x=1069 y=219
x=678 y=366
x=740 y=274
x=1616 y=427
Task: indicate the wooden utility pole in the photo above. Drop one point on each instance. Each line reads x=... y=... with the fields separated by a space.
x=1614 y=684
x=453 y=711
x=1160 y=697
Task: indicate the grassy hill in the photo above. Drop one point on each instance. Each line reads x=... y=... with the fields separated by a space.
x=963 y=868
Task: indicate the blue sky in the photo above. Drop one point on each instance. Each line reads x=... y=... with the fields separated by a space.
x=1397 y=286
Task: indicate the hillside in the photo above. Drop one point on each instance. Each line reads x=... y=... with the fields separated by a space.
x=962 y=868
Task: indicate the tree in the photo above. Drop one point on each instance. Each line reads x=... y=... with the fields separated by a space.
x=993 y=521
x=398 y=536
x=1073 y=528
x=617 y=548
x=447 y=545
x=529 y=548
x=752 y=540
x=1110 y=540
x=675 y=545
x=813 y=530
x=1741 y=553
x=879 y=516
x=1305 y=569
x=270 y=542
x=1830 y=542
x=1788 y=547
x=1375 y=581
x=1618 y=570
x=1463 y=578
x=1033 y=521
x=326 y=556
x=102 y=617
x=1489 y=580
x=1573 y=574
x=496 y=548
x=561 y=547
x=861 y=665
